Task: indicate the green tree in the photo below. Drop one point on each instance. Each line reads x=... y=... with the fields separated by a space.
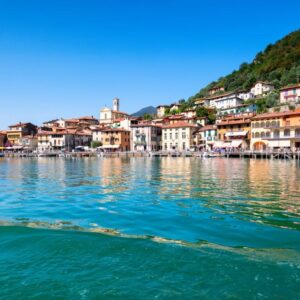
x=96 y=144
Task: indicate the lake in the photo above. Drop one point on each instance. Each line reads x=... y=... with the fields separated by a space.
x=149 y=228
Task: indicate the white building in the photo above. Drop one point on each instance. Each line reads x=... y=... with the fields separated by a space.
x=178 y=136
x=108 y=116
x=145 y=137
x=63 y=139
x=290 y=94
x=225 y=101
x=161 y=110
x=246 y=95
x=208 y=136
x=261 y=88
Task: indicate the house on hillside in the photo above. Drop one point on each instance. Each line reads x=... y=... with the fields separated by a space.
x=261 y=89
x=290 y=94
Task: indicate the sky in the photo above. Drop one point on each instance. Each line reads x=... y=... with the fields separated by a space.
x=67 y=59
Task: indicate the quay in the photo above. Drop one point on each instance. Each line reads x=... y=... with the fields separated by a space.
x=230 y=154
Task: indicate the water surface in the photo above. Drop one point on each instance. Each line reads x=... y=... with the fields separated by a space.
x=143 y=228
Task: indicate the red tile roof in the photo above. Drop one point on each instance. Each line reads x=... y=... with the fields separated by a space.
x=179 y=125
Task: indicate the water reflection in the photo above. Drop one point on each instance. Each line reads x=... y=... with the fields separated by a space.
x=223 y=201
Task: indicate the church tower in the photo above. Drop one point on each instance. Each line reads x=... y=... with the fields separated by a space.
x=116 y=104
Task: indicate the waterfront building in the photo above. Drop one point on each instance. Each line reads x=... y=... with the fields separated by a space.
x=19 y=130
x=178 y=136
x=108 y=116
x=161 y=110
x=2 y=139
x=224 y=101
x=29 y=142
x=261 y=88
x=234 y=132
x=63 y=139
x=276 y=131
x=206 y=137
x=112 y=139
x=290 y=94
x=146 y=137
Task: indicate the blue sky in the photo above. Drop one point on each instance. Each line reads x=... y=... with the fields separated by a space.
x=70 y=58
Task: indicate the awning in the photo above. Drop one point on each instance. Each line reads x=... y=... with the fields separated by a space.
x=221 y=144
x=236 y=133
x=236 y=143
x=109 y=147
x=278 y=143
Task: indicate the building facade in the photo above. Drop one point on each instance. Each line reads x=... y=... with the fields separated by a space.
x=108 y=116
x=19 y=130
x=178 y=137
x=275 y=131
x=161 y=110
x=261 y=88
x=290 y=94
x=234 y=132
x=146 y=137
x=112 y=139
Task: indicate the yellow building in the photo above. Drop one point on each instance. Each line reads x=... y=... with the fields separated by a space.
x=279 y=130
x=234 y=132
x=17 y=131
x=112 y=139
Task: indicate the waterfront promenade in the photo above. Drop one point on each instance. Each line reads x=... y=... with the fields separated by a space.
x=280 y=154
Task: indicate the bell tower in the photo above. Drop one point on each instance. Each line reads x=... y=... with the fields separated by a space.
x=116 y=104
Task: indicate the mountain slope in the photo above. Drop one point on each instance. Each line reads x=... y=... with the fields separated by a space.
x=278 y=63
x=149 y=110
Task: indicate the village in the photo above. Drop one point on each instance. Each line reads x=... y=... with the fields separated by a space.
x=237 y=128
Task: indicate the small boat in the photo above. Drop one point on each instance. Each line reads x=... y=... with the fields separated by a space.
x=1 y=154
x=216 y=154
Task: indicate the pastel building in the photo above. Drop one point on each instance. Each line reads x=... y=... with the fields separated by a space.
x=112 y=139
x=224 y=101
x=290 y=94
x=146 y=137
x=261 y=88
x=234 y=132
x=276 y=131
x=178 y=136
x=18 y=131
x=108 y=116
x=161 y=110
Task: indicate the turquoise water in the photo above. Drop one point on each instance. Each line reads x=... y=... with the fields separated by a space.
x=145 y=228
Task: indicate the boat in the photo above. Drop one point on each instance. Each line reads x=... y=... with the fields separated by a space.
x=216 y=154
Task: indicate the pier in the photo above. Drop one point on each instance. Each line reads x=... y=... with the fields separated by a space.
x=288 y=155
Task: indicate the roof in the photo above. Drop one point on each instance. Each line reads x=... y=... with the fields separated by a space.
x=145 y=125
x=208 y=127
x=20 y=124
x=179 y=125
x=277 y=115
x=234 y=121
x=162 y=105
x=289 y=87
x=220 y=96
x=111 y=130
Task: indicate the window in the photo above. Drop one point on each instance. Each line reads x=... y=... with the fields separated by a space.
x=165 y=136
x=262 y=135
x=170 y=135
x=297 y=132
x=268 y=134
x=286 y=132
x=256 y=135
x=183 y=146
x=276 y=134
x=176 y=135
